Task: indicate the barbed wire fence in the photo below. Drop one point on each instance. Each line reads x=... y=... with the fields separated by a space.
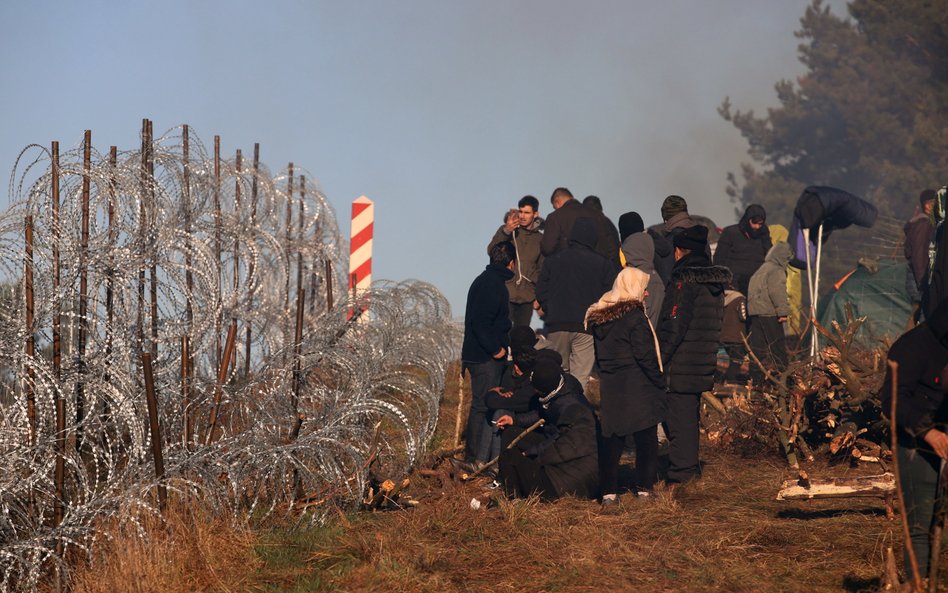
x=171 y=321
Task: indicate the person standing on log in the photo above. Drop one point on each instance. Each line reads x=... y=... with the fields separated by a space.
x=632 y=388
x=921 y=417
x=523 y=228
x=689 y=334
x=486 y=327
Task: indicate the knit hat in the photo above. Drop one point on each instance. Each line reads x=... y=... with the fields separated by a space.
x=629 y=224
x=550 y=354
x=672 y=206
x=693 y=238
x=522 y=336
x=927 y=196
x=547 y=377
x=525 y=359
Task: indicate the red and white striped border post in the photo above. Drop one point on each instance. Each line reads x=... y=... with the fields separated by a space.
x=360 y=247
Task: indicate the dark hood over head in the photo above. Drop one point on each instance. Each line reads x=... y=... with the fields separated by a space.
x=583 y=233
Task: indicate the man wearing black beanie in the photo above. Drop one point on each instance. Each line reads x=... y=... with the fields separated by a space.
x=562 y=458
x=688 y=334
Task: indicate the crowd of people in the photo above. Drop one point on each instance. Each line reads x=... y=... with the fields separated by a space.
x=646 y=311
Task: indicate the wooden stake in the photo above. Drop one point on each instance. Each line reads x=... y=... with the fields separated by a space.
x=913 y=560
x=250 y=269
x=83 y=289
x=30 y=345
x=155 y=426
x=219 y=321
x=57 y=309
x=221 y=378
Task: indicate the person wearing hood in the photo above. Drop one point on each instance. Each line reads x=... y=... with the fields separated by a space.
x=688 y=335
x=607 y=235
x=743 y=246
x=570 y=281
x=524 y=228
x=920 y=420
x=486 y=341
x=632 y=386
x=560 y=459
x=638 y=251
x=768 y=307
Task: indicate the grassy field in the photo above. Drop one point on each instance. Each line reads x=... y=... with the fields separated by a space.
x=723 y=533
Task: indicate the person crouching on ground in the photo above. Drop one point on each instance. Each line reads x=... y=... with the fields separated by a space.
x=632 y=386
x=561 y=459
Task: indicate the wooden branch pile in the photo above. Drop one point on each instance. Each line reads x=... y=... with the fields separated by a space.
x=829 y=406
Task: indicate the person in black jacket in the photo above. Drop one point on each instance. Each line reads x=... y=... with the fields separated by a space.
x=689 y=334
x=570 y=281
x=742 y=247
x=561 y=459
x=484 y=350
x=607 y=235
x=632 y=388
x=559 y=226
x=921 y=415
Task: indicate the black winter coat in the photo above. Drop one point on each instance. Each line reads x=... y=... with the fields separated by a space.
x=559 y=226
x=569 y=453
x=631 y=385
x=922 y=353
x=487 y=315
x=742 y=251
x=573 y=279
x=690 y=330
x=664 y=259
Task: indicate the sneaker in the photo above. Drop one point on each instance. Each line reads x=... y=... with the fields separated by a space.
x=609 y=505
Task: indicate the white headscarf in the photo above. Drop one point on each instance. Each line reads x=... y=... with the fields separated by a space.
x=630 y=285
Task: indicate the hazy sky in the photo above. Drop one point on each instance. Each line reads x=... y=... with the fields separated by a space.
x=443 y=112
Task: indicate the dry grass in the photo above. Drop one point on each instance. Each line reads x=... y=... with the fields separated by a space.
x=723 y=533
x=190 y=551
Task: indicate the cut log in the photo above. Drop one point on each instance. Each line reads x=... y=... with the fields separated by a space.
x=881 y=485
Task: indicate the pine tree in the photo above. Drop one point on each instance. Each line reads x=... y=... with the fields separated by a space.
x=870 y=115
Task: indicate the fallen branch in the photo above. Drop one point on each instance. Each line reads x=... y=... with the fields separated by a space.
x=516 y=440
x=881 y=485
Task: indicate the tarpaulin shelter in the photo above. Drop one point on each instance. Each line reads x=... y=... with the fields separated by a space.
x=820 y=210
x=880 y=297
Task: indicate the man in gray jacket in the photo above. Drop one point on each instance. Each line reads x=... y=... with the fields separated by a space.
x=523 y=228
x=768 y=307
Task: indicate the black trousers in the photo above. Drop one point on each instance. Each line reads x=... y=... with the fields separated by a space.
x=646 y=460
x=769 y=344
x=520 y=475
x=918 y=475
x=484 y=375
x=521 y=313
x=681 y=426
